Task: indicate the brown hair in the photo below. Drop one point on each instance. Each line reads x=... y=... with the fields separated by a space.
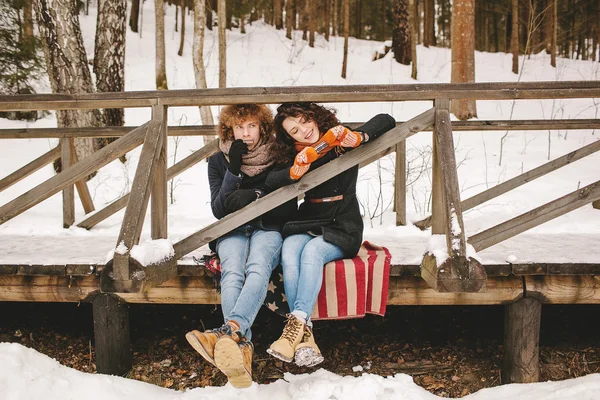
x=237 y=113
x=324 y=118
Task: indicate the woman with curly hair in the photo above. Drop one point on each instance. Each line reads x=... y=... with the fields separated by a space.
x=237 y=176
x=328 y=225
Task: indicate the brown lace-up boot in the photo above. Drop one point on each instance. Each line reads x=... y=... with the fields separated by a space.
x=233 y=356
x=307 y=352
x=204 y=342
x=285 y=347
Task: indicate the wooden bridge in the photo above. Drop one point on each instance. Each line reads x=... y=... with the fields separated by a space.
x=460 y=279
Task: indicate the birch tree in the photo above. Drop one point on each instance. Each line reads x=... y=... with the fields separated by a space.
x=161 y=64
x=109 y=57
x=222 y=45
x=198 y=56
x=346 y=34
x=66 y=61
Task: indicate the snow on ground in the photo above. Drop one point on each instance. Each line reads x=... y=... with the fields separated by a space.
x=26 y=374
x=264 y=57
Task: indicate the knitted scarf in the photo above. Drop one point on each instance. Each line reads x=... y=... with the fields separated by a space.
x=256 y=160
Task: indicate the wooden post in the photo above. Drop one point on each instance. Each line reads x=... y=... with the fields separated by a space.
x=438 y=211
x=68 y=193
x=521 y=341
x=82 y=189
x=400 y=184
x=135 y=212
x=159 y=187
x=111 y=335
x=458 y=273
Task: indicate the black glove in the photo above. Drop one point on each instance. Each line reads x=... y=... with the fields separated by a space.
x=240 y=199
x=238 y=147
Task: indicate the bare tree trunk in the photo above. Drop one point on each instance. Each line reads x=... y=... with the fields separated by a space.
x=384 y=19
x=182 y=41
x=401 y=45
x=278 y=15
x=429 y=24
x=359 y=19
x=289 y=19
x=305 y=17
x=346 y=34
x=327 y=22
x=109 y=57
x=336 y=7
x=514 y=39
x=413 y=37
x=161 y=63
x=222 y=45
x=312 y=21
x=28 y=19
x=134 y=16
x=463 y=54
x=209 y=13
x=198 y=56
x=67 y=65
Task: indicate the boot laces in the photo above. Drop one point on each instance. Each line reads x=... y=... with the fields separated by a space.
x=223 y=330
x=292 y=328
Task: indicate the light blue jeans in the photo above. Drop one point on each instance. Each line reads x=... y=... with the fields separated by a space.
x=303 y=257
x=247 y=256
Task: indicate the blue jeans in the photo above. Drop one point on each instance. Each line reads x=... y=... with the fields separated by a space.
x=247 y=256
x=303 y=257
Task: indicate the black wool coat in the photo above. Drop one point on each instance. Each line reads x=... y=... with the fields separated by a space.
x=222 y=183
x=340 y=222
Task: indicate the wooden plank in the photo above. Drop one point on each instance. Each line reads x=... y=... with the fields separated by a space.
x=183 y=165
x=30 y=168
x=100 y=132
x=596 y=204
x=540 y=125
x=438 y=211
x=159 y=214
x=400 y=184
x=8 y=269
x=112 y=344
x=321 y=94
x=535 y=217
x=406 y=290
x=564 y=289
x=42 y=270
x=84 y=193
x=68 y=192
x=137 y=205
x=521 y=360
x=309 y=181
x=522 y=179
x=71 y=175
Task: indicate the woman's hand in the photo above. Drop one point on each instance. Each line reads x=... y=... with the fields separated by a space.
x=344 y=136
x=240 y=199
x=237 y=149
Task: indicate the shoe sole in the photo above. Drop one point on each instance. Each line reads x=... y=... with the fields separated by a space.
x=195 y=343
x=278 y=355
x=307 y=357
x=230 y=360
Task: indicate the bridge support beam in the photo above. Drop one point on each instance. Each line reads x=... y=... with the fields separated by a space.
x=111 y=334
x=522 y=341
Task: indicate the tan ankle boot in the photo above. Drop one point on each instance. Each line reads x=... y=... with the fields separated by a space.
x=234 y=358
x=307 y=352
x=285 y=347
x=204 y=342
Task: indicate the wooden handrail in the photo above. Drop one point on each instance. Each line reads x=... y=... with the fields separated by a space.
x=321 y=94
x=30 y=168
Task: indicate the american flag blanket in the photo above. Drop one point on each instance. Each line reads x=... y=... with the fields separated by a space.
x=351 y=287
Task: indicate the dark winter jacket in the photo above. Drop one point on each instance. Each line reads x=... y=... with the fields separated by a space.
x=340 y=222
x=222 y=183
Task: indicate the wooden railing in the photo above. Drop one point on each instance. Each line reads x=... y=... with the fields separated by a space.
x=458 y=274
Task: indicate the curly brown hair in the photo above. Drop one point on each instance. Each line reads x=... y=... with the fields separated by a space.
x=237 y=113
x=324 y=118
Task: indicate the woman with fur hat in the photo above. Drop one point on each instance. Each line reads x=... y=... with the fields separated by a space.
x=237 y=176
x=328 y=225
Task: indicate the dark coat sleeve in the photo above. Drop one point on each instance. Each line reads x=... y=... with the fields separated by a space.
x=377 y=126
x=222 y=184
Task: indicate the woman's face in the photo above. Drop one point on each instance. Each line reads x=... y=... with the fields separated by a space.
x=248 y=131
x=301 y=129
